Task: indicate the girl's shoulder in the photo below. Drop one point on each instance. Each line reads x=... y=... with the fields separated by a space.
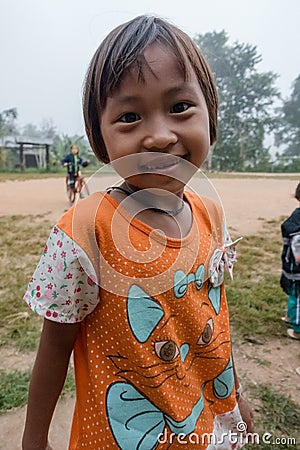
x=206 y=204
x=82 y=215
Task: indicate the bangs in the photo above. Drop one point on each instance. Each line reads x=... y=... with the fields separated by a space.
x=128 y=53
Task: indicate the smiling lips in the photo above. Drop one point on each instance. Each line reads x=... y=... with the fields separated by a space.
x=161 y=164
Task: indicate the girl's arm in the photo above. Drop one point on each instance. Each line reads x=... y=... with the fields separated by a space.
x=47 y=380
x=244 y=407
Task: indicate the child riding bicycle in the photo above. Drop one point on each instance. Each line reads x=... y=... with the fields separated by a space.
x=74 y=181
x=72 y=161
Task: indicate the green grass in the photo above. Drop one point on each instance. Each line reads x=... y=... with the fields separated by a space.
x=22 y=240
x=256 y=301
x=279 y=416
x=23 y=176
x=30 y=174
x=253 y=175
x=14 y=388
x=35 y=175
x=255 y=297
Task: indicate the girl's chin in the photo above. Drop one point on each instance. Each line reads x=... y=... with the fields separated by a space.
x=157 y=181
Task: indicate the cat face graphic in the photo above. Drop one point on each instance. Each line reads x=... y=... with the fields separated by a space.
x=170 y=354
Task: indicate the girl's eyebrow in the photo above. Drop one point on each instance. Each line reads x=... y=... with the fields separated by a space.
x=184 y=87
x=121 y=99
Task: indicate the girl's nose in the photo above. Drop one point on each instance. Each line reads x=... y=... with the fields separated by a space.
x=159 y=136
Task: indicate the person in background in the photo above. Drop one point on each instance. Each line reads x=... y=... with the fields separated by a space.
x=133 y=278
x=290 y=277
x=72 y=161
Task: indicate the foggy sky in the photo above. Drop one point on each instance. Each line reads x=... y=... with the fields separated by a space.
x=46 y=45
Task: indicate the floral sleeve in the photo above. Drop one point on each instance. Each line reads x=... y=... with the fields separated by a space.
x=63 y=287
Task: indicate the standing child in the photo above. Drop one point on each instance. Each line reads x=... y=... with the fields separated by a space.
x=290 y=278
x=132 y=279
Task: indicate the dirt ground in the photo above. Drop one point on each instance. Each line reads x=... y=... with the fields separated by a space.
x=248 y=203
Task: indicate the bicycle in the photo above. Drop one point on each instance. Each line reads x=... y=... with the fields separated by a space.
x=76 y=185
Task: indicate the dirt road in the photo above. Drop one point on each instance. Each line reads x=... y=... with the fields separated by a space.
x=248 y=202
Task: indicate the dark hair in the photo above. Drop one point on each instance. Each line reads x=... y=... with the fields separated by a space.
x=125 y=46
x=297 y=192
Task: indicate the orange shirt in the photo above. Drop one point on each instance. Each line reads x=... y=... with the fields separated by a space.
x=153 y=357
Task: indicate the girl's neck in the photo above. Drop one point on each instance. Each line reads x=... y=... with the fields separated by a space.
x=158 y=200
x=173 y=223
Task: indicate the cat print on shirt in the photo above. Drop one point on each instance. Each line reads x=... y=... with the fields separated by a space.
x=183 y=375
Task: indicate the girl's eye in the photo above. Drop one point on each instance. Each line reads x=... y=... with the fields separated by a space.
x=179 y=108
x=166 y=350
x=129 y=117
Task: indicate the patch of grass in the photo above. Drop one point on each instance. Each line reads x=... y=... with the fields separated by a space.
x=22 y=239
x=36 y=175
x=279 y=416
x=278 y=412
x=253 y=175
x=263 y=362
x=23 y=176
x=255 y=298
x=14 y=388
x=30 y=174
x=69 y=386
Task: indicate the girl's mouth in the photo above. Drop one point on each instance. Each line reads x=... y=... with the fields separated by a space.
x=177 y=167
x=163 y=164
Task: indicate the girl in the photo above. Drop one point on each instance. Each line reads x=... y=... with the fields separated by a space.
x=132 y=279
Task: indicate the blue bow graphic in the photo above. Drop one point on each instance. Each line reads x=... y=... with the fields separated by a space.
x=181 y=281
x=137 y=424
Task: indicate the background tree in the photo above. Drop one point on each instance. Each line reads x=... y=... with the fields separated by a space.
x=8 y=122
x=7 y=129
x=246 y=97
x=288 y=135
x=46 y=129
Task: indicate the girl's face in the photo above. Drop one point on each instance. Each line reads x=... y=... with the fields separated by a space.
x=155 y=117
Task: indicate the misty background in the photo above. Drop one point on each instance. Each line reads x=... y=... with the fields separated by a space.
x=46 y=46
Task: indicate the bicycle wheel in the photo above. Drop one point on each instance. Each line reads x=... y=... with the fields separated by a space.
x=84 y=190
x=71 y=191
x=72 y=195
